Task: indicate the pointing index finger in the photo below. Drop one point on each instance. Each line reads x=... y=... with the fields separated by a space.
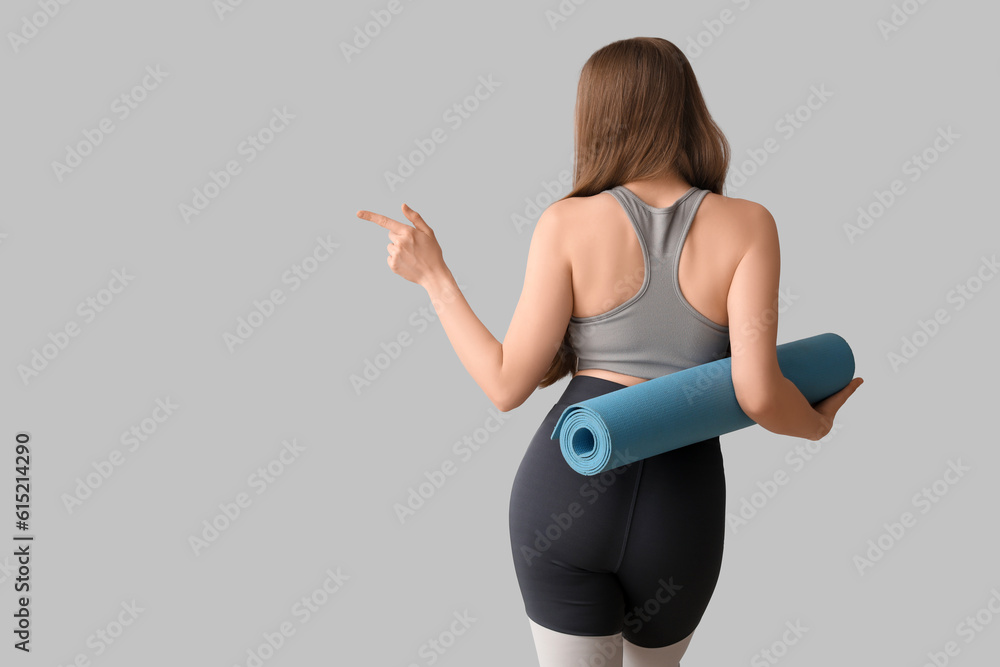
x=378 y=219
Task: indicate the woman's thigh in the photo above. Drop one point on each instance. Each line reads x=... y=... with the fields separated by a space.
x=674 y=549
x=557 y=649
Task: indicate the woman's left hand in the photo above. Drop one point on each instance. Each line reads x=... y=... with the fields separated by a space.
x=414 y=252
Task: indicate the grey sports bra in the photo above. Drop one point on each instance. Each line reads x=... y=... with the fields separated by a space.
x=655 y=332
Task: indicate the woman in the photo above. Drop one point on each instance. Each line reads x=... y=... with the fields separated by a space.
x=643 y=269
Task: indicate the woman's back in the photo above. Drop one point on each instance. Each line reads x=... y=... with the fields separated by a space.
x=608 y=264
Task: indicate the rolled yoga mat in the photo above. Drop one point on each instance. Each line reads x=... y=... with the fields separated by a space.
x=688 y=406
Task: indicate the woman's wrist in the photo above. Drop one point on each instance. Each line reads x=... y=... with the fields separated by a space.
x=441 y=287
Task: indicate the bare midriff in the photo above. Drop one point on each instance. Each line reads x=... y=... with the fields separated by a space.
x=620 y=378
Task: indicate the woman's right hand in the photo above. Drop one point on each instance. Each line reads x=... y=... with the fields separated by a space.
x=828 y=407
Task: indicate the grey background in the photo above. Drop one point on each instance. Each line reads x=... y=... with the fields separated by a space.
x=332 y=507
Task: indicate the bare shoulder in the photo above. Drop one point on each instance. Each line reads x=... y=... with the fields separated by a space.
x=575 y=217
x=741 y=220
x=576 y=205
x=740 y=212
x=552 y=222
x=579 y=211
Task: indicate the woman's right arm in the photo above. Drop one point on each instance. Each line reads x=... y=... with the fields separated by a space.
x=764 y=394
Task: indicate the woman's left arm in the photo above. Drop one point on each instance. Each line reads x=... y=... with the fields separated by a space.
x=507 y=372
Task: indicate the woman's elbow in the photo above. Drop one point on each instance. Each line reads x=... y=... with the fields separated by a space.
x=503 y=406
x=505 y=402
x=755 y=398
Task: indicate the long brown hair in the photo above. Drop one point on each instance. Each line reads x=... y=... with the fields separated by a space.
x=639 y=114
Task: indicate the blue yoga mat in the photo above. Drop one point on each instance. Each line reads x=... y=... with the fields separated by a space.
x=688 y=406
